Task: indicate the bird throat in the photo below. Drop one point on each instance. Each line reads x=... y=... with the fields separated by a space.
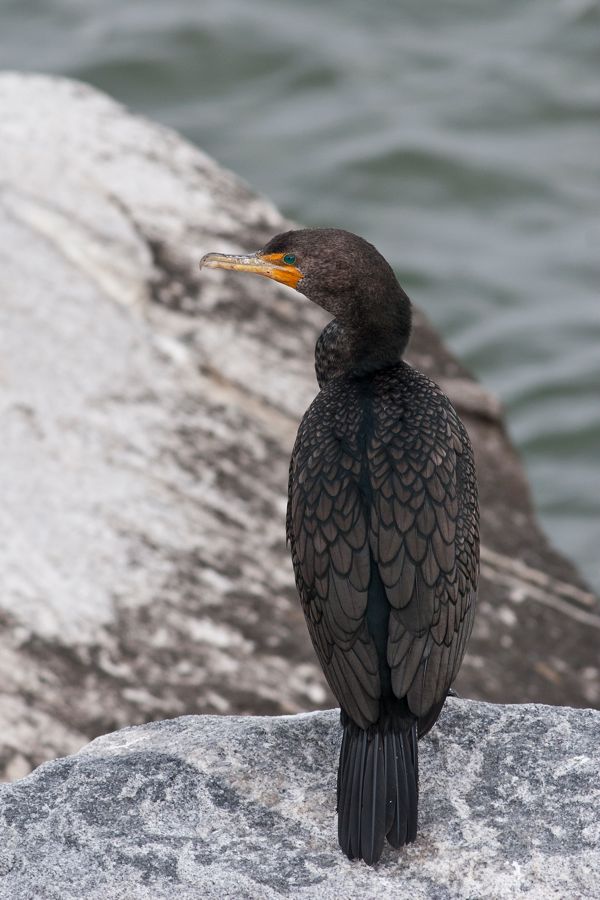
x=340 y=350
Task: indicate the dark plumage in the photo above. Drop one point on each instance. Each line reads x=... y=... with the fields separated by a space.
x=383 y=528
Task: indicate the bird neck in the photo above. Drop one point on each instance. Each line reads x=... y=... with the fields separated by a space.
x=343 y=348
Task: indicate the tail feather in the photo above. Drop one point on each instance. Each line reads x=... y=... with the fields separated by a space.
x=347 y=790
x=398 y=779
x=413 y=745
x=377 y=788
x=343 y=801
x=356 y=795
x=372 y=820
x=392 y=787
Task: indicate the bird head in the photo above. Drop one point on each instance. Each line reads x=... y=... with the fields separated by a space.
x=342 y=273
x=333 y=268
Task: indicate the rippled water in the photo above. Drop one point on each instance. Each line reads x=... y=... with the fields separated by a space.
x=462 y=138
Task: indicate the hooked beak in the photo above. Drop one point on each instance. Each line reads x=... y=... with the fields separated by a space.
x=269 y=265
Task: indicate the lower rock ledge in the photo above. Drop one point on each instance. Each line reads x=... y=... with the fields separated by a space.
x=244 y=807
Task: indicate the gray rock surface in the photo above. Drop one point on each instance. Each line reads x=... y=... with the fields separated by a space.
x=244 y=807
x=148 y=413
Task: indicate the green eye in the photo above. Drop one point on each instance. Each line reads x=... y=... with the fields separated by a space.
x=289 y=259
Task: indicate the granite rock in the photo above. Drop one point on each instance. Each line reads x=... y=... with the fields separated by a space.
x=148 y=412
x=244 y=807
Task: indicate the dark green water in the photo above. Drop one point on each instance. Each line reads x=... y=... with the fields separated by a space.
x=462 y=138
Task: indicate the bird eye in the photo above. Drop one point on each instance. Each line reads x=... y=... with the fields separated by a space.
x=289 y=259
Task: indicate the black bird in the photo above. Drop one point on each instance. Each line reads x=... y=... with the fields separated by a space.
x=383 y=526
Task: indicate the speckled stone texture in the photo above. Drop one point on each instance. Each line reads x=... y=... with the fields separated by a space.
x=148 y=413
x=230 y=807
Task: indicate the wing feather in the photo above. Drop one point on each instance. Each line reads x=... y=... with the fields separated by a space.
x=420 y=461
x=328 y=534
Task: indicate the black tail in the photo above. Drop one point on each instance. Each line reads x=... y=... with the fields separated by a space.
x=378 y=787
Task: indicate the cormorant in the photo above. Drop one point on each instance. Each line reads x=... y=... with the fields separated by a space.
x=383 y=527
